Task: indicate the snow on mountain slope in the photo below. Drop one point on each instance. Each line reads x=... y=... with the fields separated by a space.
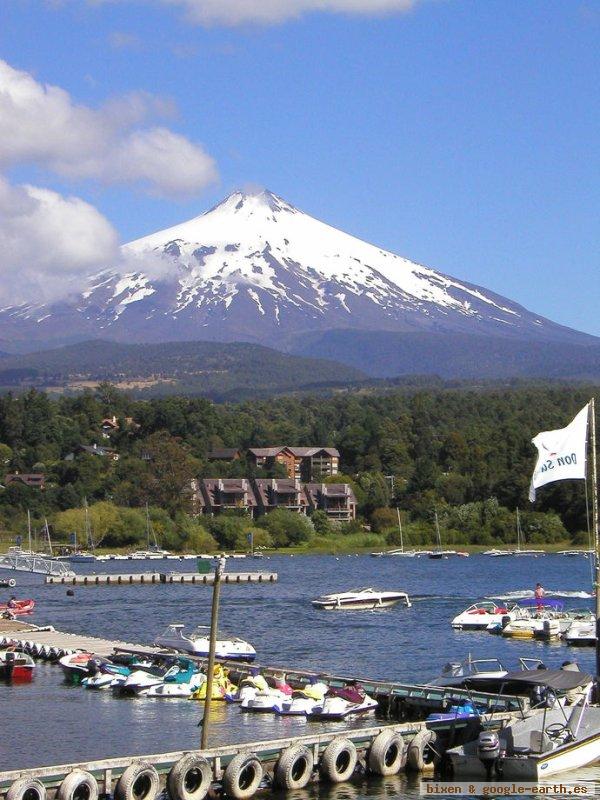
x=256 y=268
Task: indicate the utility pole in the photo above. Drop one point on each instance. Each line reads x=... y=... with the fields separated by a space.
x=214 y=623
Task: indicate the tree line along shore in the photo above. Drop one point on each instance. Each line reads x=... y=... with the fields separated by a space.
x=463 y=453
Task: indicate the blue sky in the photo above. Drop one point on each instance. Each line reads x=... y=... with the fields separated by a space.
x=463 y=134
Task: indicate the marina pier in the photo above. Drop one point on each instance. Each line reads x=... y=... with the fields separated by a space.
x=150 y=578
x=242 y=770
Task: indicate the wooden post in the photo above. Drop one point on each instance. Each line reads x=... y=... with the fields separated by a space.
x=214 y=623
x=595 y=525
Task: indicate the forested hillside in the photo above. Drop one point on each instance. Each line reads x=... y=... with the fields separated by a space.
x=464 y=452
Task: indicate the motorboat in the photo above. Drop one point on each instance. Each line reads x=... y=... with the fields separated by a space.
x=558 y=736
x=581 y=633
x=396 y=552
x=228 y=648
x=546 y=620
x=18 y=608
x=79 y=557
x=574 y=553
x=16 y=666
x=340 y=703
x=143 y=555
x=460 y=673
x=75 y=666
x=358 y=599
x=497 y=553
x=479 y=616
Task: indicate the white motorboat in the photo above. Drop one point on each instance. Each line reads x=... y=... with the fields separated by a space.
x=560 y=736
x=498 y=553
x=479 y=616
x=358 y=599
x=228 y=648
x=581 y=633
x=457 y=673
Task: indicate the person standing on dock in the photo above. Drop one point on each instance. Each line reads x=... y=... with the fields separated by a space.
x=539 y=596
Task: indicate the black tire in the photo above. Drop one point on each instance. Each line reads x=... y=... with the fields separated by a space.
x=26 y=789
x=78 y=785
x=422 y=751
x=294 y=768
x=338 y=761
x=138 y=782
x=190 y=778
x=242 y=776
x=387 y=754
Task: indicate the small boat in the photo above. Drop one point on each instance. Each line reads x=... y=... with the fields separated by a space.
x=105 y=674
x=228 y=648
x=460 y=673
x=16 y=667
x=497 y=553
x=479 y=616
x=574 y=553
x=561 y=735
x=341 y=703
x=18 y=608
x=75 y=666
x=79 y=557
x=266 y=700
x=359 y=599
x=581 y=633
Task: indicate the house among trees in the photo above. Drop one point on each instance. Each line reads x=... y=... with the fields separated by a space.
x=222 y=494
x=35 y=480
x=261 y=495
x=224 y=454
x=274 y=493
x=337 y=500
x=94 y=450
x=111 y=425
x=302 y=463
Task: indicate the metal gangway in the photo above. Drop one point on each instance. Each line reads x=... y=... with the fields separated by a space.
x=41 y=565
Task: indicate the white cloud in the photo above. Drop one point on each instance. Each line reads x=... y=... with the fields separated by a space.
x=238 y=12
x=112 y=144
x=46 y=240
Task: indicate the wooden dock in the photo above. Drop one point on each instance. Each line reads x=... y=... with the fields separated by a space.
x=153 y=578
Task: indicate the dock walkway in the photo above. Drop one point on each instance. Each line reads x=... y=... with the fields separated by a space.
x=155 y=578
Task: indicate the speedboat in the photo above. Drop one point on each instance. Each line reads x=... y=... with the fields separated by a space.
x=358 y=599
x=197 y=643
x=344 y=702
x=79 y=557
x=497 y=553
x=460 y=673
x=581 y=632
x=561 y=735
x=479 y=616
x=75 y=666
x=16 y=667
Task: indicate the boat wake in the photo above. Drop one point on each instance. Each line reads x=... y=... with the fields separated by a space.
x=526 y=593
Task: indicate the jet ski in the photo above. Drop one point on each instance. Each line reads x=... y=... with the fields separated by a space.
x=220 y=688
x=181 y=680
x=248 y=688
x=341 y=703
x=303 y=701
x=267 y=699
x=105 y=674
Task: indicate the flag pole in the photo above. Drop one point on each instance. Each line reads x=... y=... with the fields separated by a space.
x=596 y=531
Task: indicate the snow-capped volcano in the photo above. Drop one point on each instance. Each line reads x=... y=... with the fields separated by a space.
x=255 y=268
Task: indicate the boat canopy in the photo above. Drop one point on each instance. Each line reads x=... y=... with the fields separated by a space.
x=562 y=680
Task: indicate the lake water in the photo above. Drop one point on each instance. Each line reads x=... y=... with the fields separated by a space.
x=50 y=722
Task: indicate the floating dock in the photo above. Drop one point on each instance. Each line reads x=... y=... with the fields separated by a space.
x=28 y=563
x=150 y=578
x=396 y=700
x=243 y=769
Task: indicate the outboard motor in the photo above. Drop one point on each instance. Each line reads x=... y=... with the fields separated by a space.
x=488 y=751
x=505 y=620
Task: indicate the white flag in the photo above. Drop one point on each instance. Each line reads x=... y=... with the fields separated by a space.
x=561 y=454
